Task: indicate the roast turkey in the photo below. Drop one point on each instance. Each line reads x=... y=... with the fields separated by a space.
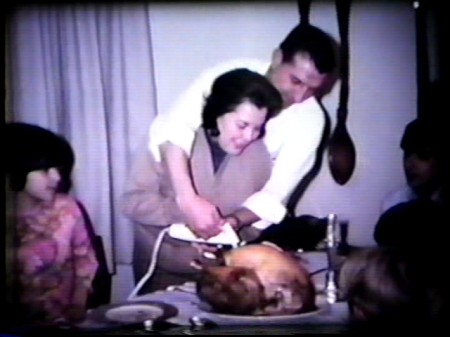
x=257 y=279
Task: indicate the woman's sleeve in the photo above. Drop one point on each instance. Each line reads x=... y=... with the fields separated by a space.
x=142 y=200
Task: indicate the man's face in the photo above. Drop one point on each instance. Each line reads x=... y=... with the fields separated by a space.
x=421 y=170
x=297 y=80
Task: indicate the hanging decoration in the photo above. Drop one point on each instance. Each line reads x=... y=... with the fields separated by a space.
x=341 y=150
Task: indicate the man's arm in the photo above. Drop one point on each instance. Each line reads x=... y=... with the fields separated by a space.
x=203 y=217
x=294 y=159
x=179 y=124
x=240 y=218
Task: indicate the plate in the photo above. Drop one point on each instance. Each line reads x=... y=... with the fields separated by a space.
x=132 y=312
x=275 y=319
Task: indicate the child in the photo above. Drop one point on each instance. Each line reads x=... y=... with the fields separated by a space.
x=55 y=258
x=387 y=288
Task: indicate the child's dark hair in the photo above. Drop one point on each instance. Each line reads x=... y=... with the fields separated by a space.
x=235 y=87
x=30 y=148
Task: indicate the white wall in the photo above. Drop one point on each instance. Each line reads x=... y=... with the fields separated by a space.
x=189 y=37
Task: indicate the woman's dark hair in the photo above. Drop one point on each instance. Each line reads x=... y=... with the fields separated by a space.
x=30 y=148
x=235 y=87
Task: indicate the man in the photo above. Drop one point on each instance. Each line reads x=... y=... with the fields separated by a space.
x=414 y=216
x=423 y=163
x=301 y=68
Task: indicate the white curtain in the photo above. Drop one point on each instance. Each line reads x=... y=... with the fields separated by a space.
x=86 y=71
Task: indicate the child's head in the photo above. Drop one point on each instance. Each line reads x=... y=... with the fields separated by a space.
x=374 y=283
x=387 y=287
x=423 y=160
x=37 y=154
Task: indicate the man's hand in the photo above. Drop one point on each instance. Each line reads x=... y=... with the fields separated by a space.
x=204 y=218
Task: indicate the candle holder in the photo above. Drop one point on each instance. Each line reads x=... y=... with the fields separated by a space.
x=331 y=285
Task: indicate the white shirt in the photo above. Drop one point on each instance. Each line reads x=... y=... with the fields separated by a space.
x=291 y=138
x=405 y=194
x=396 y=197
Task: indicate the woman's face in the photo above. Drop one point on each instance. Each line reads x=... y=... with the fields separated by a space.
x=240 y=127
x=41 y=185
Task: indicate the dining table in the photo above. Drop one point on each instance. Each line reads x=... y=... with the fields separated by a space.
x=178 y=310
x=182 y=312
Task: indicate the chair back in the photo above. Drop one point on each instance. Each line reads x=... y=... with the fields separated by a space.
x=102 y=282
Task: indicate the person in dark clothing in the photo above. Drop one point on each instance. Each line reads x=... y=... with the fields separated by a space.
x=424 y=164
x=417 y=224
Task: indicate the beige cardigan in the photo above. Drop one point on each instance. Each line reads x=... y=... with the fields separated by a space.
x=149 y=197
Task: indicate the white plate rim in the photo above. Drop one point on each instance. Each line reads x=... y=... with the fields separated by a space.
x=99 y=314
x=322 y=306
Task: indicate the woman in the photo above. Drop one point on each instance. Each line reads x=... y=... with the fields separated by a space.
x=229 y=163
x=55 y=259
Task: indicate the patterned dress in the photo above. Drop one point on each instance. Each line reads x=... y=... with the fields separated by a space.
x=57 y=262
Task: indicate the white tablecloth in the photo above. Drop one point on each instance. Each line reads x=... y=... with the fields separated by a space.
x=184 y=298
x=188 y=305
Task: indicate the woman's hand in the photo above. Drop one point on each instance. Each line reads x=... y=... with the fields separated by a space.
x=233 y=221
x=203 y=217
x=204 y=249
